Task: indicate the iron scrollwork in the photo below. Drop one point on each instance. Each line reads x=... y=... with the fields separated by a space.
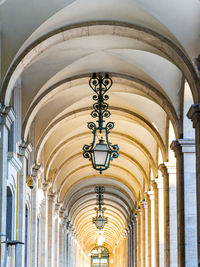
x=100 y=85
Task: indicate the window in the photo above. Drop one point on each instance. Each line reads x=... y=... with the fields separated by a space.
x=100 y=257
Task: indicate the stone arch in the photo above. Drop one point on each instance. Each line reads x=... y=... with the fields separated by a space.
x=173 y=52
x=150 y=91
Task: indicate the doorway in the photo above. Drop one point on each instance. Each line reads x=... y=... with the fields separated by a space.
x=100 y=257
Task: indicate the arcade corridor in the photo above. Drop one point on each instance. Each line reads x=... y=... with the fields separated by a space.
x=50 y=51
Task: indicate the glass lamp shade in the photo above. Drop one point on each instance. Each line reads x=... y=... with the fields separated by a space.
x=100 y=222
x=101 y=153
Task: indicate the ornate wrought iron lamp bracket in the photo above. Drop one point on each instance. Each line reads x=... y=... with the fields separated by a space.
x=100 y=220
x=100 y=85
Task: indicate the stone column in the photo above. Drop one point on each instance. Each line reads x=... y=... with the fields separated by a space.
x=190 y=205
x=24 y=150
x=139 y=238
x=170 y=191
x=44 y=229
x=148 y=230
x=61 y=212
x=156 y=224
x=194 y=115
x=7 y=116
x=65 y=231
x=67 y=246
x=132 y=242
x=56 y=235
x=176 y=147
x=136 y=239
x=161 y=219
x=128 y=245
x=51 y=208
x=34 y=231
x=124 y=247
x=143 y=233
x=151 y=196
x=70 y=249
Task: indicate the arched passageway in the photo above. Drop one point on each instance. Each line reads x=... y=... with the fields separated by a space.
x=151 y=190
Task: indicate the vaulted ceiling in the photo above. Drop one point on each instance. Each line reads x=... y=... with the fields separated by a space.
x=55 y=50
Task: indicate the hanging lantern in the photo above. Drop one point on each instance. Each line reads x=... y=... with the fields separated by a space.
x=100 y=152
x=100 y=220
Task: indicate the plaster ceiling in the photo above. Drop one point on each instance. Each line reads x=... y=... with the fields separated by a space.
x=57 y=100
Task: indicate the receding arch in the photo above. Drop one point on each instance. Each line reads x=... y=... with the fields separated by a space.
x=149 y=127
x=149 y=90
x=166 y=46
x=71 y=174
x=127 y=138
x=87 y=185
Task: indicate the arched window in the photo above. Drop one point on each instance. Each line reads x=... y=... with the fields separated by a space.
x=100 y=257
x=9 y=215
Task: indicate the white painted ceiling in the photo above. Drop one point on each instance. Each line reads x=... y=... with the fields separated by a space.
x=56 y=106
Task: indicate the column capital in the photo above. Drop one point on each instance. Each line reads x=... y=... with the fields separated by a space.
x=167 y=168
x=25 y=149
x=194 y=114
x=7 y=116
x=125 y=233
x=188 y=145
x=58 y=206
x=51 y=196
x=127 y=230
x=129 y=226
x=163 y=168
x=159 y=182
x=37 y=170
x=134 y=217
x=183 y=146
x=15 y=161
x=176 y=147
x=46 y=185
x=61 y=212
x=138 y=211
x=143 y=204
x=154 y=185
x=146 y=195
x=151 y=195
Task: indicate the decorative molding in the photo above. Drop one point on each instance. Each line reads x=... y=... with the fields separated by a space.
x=51 y=196
x=61 y=213
x=167 y=168
x=188 y=145
x=197 y=63
x=25 y=149
x=151 y=195
x=14 y=161
x=133 y=31
x=7 y=116
x=176 y=147
x=45 y=185
x=36 y=170
x=159 y=183
x=183 y=146
x=154 y=184
x=58 y=206
x=194 y=114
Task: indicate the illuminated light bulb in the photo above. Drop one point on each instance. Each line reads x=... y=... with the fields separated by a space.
x=100 y=239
